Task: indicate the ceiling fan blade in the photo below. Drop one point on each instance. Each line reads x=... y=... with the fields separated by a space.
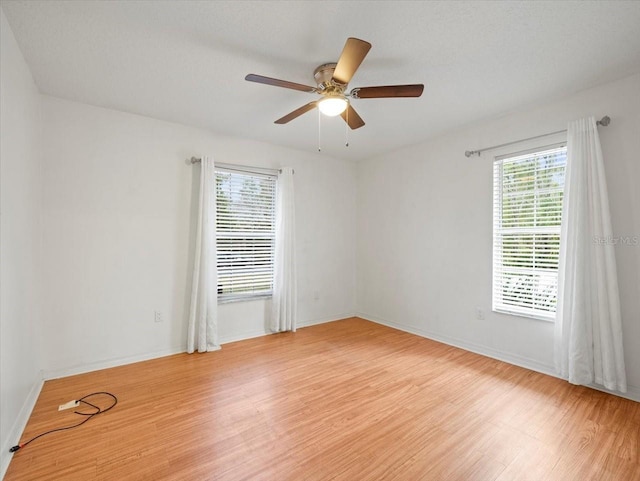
x=352 y=118
x=414 y=90
x=278 y=83
x=297 y=113
x=353 y=53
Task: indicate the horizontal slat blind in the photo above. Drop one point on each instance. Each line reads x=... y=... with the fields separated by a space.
x=527 y=210
x=245 y=234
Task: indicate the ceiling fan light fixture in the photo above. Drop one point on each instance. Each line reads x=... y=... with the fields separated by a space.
x=332 y=80
x=332 y=106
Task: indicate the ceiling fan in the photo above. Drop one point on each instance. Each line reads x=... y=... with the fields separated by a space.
x=332 y=80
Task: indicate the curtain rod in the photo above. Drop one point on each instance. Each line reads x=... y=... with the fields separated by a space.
x=604 y=121
x=239 y=168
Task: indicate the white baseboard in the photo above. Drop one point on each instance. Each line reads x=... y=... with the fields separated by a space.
x=262 y=332
x=48 y=374
x=243 y=336
x=18 y=426
x=323 y=320
x=633 y=392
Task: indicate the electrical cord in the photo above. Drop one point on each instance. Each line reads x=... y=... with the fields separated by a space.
x=89 y=416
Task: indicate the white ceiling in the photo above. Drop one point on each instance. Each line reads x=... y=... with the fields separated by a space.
x=185 y=61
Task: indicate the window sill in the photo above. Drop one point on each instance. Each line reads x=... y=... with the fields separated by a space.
x=252 y=297
x=524 y=314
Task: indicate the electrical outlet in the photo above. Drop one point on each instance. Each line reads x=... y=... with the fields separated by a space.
x=479 y=313
x=157 y=316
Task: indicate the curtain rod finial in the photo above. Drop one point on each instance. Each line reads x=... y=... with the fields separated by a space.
x=469 y=153
x=604 y=121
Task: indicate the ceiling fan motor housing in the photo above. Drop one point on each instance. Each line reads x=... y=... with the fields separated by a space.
x=323 y=76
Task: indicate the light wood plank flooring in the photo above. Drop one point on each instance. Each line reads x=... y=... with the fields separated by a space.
x=347 y=400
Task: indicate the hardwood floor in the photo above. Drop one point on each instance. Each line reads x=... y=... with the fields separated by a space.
x=348 y=400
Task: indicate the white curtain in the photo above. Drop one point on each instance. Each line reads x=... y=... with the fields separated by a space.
x=284 y=303
x=202 y=334
x=588 y=330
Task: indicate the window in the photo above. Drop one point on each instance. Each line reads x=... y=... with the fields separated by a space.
x=245 y=234
x=527 y=209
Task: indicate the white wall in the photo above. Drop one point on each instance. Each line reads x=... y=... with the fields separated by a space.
x=425 y=230
x=119 y=206
x=20 y=238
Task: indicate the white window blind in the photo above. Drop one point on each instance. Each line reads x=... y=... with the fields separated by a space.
x=527 y=209
x=245 y=234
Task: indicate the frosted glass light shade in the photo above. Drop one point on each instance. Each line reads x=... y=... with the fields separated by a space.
x=332 y=106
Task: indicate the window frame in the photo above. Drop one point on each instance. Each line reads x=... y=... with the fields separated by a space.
x=501 y=307
x=255 y=172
